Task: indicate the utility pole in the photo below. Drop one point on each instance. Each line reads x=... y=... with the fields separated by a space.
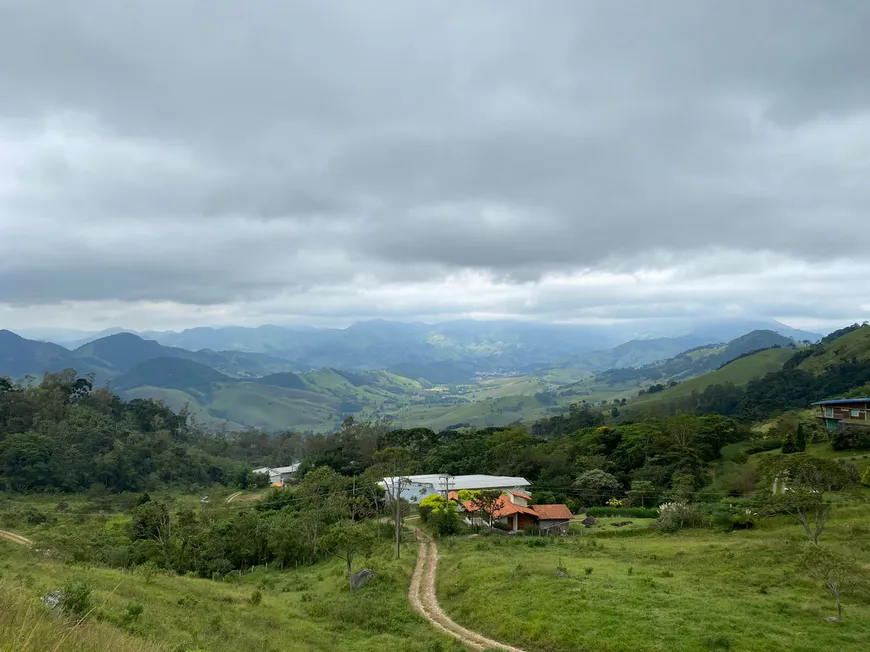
x=445 y=483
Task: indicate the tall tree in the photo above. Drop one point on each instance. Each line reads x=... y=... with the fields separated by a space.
x=394 y=465
x=832 y=569
x=321 y=500
x=800 y=438
x=797 y=485
x=346 y=539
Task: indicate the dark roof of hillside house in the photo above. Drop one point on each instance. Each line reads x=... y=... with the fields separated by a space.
x=840 y=401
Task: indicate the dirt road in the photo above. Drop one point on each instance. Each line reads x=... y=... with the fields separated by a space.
x=15 y=538
x=425 y=602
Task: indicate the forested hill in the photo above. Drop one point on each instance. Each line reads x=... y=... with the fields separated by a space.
x=64 y=435
x=838 y=366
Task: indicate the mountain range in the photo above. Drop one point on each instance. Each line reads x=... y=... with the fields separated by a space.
x=446 y=352
x=486 y=373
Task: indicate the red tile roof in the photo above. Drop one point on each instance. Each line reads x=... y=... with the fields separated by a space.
x=520 y=494
x=453 y=495
x=552 y=512
x=504 y=507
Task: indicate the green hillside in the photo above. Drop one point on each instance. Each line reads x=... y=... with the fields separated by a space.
x=765 y=384
x=853 y=346
x=316 y=400
x=739 y=372
x=699 y=360
x=171 y=373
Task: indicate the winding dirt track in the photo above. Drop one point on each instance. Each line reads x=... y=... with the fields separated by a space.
x=425 y=602
x=15 y=538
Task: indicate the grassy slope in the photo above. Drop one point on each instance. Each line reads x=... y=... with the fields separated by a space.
x=177 y=399
x=852 y=345
x=494 y=412
x=739 y=372
x=696 y=590
x=305 y=609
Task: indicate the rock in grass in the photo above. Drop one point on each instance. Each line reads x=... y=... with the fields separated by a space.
x=362 y=578
x=53 y=600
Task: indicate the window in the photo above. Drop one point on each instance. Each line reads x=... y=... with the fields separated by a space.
x=855 y=413
x=829 y=412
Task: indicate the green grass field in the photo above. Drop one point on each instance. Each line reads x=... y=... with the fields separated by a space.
x=305 y=609
x=641 y=591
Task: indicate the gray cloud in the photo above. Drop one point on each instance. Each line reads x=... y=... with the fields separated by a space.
x=295 y=157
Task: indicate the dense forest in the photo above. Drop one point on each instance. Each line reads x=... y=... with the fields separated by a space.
x=65 y=435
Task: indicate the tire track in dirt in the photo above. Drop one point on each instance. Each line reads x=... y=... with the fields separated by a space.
x=15 y=538
x=424 y=600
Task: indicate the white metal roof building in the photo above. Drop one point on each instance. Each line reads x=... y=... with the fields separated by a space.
x=279 y=473
x=417 y=487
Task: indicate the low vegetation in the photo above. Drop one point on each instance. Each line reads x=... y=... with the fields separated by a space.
x=637 y=590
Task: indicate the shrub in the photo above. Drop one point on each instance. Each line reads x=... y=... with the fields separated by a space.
x=847 y=437
x=677 y=515
x=865 y=479
x=762 y=445
x=76 y=599
x=256 y=597
x=730 y=517
x=133 y=611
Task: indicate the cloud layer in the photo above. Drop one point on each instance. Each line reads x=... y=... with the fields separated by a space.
x=166 y=164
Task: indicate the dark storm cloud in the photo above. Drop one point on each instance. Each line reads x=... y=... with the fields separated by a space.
x=217 y=152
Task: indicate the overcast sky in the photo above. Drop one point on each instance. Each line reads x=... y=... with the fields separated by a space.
x=171 y=163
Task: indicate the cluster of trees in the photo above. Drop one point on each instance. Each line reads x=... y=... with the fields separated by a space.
x=64 y=435
x=570 y=458
x=323 y=515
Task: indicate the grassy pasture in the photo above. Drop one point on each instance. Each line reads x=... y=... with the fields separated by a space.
x=305 y=609
x=694 y=590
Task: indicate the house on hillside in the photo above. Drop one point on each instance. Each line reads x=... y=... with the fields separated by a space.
x=851 y=411
x=416 y=487
x=553 y=518
x=279 y=474
x=513 y=509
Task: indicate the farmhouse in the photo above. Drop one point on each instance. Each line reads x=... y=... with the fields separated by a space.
x=513 y=509
x=416 y=487
x=852 y=411
x=279 y=474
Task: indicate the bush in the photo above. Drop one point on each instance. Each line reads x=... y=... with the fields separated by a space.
x=628 y=512
x=256 y=597
x=76 y=599
x=730 y=517
x=847 y=437
x=133 y=611
x=865 y=479
x=677 y=515
x=762 y=445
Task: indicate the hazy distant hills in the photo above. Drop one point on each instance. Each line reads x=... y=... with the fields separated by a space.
x=482 y=373
x=117 y=354
x=450 y=351
x=20 y=357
